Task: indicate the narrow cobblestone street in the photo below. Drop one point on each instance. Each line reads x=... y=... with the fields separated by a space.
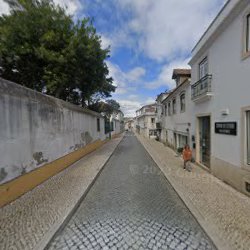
x=131 y=206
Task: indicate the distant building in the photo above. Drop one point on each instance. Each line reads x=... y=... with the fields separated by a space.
x=117 y=122
x=146 y=121
x=160 y=113
x=221 y=96
x=176 y=112
x=129 y=123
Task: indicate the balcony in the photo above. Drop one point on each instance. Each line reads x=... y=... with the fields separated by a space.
x=201 y=90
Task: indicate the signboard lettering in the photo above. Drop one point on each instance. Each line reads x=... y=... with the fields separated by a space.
x=226 y=128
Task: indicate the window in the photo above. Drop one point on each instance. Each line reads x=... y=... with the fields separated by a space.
x=248 y=33
x=98 y=125
x=174 y=106
x=183 y=102
x=203 y=68
x=166 y=110
x=169 y=108
x=152 y=120
x=183 y=140
x=248 y=136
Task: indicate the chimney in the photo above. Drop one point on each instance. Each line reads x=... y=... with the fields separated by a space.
x=181 y=75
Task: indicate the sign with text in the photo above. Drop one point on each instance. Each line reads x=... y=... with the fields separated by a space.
x=226 y=128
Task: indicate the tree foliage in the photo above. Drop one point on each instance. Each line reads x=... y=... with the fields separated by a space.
x=41 y=47
x=107 y=108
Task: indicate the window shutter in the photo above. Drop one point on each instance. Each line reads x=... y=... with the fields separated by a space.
x=248 y=136
x=248 y=34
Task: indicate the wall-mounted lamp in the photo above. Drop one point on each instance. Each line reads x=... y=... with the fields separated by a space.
x=225 y=112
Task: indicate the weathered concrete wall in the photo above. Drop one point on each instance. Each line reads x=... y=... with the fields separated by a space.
x=36 y=129
x=117 y=127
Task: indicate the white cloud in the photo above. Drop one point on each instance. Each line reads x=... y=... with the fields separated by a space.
x=149 y=100
x=125 y=81
x=4 y=8
x=72 y=6
x=129 y=107
x=165 y=76
x=133 y=97
x=127 y=85
x=105 y=41
x=133 y=103
x=136 y=74
x=169 y=28
x=118 y=38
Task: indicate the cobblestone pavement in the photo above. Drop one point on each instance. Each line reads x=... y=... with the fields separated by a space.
x=131 y=206
x=222 y=211
x=30 y=221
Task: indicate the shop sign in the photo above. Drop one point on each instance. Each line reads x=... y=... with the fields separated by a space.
x=226 y=128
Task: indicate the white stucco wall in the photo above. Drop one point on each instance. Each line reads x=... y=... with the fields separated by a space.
x=181 y=121
x=36 y=129
x=145 y=124
x=117 y=127
x=230 y=86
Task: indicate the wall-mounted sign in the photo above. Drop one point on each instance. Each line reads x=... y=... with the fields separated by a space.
x=226 y=128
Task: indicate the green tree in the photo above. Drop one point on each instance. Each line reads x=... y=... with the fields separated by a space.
x=42 y=48
x=107 y=109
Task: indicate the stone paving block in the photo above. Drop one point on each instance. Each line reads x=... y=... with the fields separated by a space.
x=223 y=211
x=128 y=210
x=28 y=222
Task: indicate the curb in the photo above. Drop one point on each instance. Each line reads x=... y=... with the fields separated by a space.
x=209 y=229
x=55 y=230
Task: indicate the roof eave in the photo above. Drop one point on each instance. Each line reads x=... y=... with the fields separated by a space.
x=211 y=25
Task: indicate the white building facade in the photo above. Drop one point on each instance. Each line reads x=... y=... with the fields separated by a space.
x=146 y=121
x=129 y=123
x=160 y=114
x=176 y=121
x=117 y=122
x=221 y=96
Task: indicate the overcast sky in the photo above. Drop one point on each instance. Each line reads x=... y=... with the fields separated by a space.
x=148 y=38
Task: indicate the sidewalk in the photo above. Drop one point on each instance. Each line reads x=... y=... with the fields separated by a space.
x=30 y=221
x=223 y=212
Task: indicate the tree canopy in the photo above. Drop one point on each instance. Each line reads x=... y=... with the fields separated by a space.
x=42 y=48
x=107 y=108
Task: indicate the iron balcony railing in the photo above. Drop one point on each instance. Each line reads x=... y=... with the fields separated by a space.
x=202 y=87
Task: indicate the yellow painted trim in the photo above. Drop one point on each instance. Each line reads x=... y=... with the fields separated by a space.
x=116 y=135
x=19 y=186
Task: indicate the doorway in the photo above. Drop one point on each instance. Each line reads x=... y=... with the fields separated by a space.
x=205 y=140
